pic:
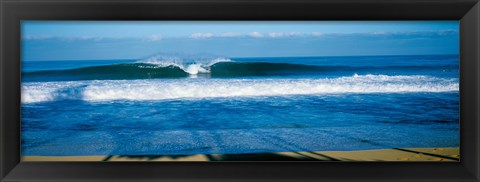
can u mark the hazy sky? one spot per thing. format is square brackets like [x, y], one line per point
[83, 40]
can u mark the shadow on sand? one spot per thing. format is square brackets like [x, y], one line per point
[286, 156]
[293, 156]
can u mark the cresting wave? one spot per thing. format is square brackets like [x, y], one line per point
[190, 66]
[218, 68]
[221, 68]
[111, 90]
[154, 67]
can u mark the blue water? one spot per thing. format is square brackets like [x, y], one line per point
[164, 106]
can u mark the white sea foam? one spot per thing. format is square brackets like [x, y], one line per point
[107, 90]
[190, 66]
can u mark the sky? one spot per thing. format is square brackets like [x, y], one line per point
[107, 40]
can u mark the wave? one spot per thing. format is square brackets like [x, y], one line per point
[109, 90]
[191, 66]
[149, 70]
[220, 69]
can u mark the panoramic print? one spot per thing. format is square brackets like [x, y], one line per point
[240, 91]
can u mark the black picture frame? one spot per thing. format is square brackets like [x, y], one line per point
[12, 12]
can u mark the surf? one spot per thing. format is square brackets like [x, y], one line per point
[163, 89]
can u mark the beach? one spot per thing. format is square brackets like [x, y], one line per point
[449, 154]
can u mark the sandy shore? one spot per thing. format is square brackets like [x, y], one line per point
[396, 154]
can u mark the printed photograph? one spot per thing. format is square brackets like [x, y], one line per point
[159, 91]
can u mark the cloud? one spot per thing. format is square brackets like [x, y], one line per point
[447, 32]
[272, 35]
[71, 38]
[251, 34]
[320, 34]
[379, 33]
[153, 38]
[82, 38]
[415, 33]
[317, 34]
[37, 37]
[88, 38]
[255, 34]
[201, 35]
[284, 34]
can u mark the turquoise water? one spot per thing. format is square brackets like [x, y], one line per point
[165, 105]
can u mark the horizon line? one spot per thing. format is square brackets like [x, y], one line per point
[233, 57]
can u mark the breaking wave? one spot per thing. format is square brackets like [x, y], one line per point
[160, 89]
[150, 70]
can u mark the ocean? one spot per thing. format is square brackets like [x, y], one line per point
[172, 106]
